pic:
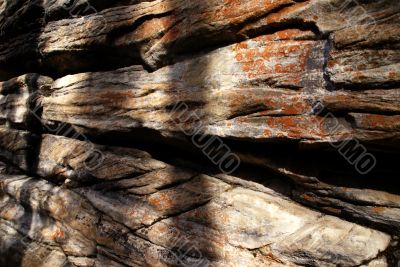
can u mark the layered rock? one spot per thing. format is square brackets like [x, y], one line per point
[199, 133]
[252, 90]
[204, 218]
[156, 32]
[19, 100]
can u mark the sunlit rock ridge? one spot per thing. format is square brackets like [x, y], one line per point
[199, 133]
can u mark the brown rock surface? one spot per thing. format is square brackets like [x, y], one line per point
[199, 133]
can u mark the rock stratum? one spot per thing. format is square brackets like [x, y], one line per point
[199, 133]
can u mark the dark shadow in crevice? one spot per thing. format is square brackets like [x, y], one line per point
[30, 152]
[20, 23]
[322, 162]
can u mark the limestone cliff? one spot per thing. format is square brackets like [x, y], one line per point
[199, 133]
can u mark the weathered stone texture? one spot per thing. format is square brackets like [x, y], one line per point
[223, 219]
[19, 99]
[106, 108]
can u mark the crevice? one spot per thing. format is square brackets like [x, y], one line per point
[115, 257]
[177, 183]
[290, 24]
[177, 214]
[118, 32]
[367, 86]
[345, 215]
[329, 85]
[347, 200]
[250, 111]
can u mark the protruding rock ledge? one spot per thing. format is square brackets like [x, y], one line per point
[124, 176]
[160, 32]
[274, 231]
[221, 94]
[299, 91]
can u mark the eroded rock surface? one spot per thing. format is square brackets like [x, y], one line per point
[199, 133]
[214, 218]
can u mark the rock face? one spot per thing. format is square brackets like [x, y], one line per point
[199, 133]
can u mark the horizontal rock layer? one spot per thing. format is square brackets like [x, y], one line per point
[199, 133]
[157, 32]
[215, 214]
